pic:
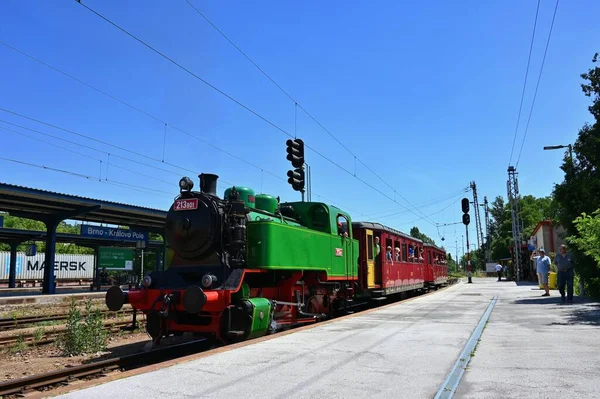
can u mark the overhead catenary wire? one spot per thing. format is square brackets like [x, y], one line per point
[525, 82]
[258, 115]
[86, 156]
[298, 105]
[152, 116]
[87, 177]
[135, 108]
[107, 153]
[110, 154]
[424, 204]
[390, 215]
[538, 82]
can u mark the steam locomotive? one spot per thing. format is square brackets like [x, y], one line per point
[246, 265]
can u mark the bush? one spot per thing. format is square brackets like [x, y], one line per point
[84, 334]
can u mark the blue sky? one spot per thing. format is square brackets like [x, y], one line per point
[425, 94]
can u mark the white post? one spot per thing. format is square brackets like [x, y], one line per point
[142, 276]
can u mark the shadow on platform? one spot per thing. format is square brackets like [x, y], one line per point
[526, 283]
[582, 312]
[587, 315]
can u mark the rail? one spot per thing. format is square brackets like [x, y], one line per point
[48, 337]
[23, 385]
[21, 322]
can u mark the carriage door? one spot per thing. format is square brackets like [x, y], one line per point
[370, 259]
[346, 249]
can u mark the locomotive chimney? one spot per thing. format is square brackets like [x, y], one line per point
[208, 183]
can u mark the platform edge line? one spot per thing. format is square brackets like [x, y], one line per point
[460, 366]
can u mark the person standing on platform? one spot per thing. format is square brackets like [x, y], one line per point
[542, 269]
[499, 271]
[564, 263]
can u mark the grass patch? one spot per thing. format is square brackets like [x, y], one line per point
[19, 346]
[84, 334]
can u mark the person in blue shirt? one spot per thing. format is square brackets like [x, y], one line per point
[564, 263]
[542, 268]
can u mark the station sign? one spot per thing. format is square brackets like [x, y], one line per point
[111, 233]
[113, 258]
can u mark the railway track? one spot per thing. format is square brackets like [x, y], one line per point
[98, 369]
[22, 322]
[50, 336]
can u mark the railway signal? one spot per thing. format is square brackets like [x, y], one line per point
[295, 150]
[466, 219]
[465, 206]
[296, 179]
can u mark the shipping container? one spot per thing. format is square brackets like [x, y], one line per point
[66, 267]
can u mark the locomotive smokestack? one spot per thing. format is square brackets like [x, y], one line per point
[208, 183]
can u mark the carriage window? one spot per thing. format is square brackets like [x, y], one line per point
[404, 253]
[369, 247]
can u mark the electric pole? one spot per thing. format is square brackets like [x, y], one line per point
[488, 237]
[478, 227]
[513, 197]
[457, 259]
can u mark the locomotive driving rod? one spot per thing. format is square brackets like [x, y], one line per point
[300, 306]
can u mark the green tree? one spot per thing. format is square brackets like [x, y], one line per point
[13, 222]
[579, 193]
[414, 232]
[532, 211]
[588, 235]
[451, 263]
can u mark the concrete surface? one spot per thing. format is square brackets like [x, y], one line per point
[535, 347]
[401, 351]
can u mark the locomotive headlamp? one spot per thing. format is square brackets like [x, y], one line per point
[207, 280]
[186, 184]
[147, 281]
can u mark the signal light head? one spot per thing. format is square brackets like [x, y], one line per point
[295, 150]
[465, 205]
[466, 219]
[296, 179]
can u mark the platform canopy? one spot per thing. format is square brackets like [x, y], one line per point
[52, 208]
[40, 204]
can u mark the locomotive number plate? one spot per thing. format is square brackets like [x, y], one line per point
[186, 204]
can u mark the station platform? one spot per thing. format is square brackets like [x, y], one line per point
[530, 346]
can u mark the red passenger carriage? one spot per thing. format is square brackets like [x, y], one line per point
[399, 266]
[436, 268]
